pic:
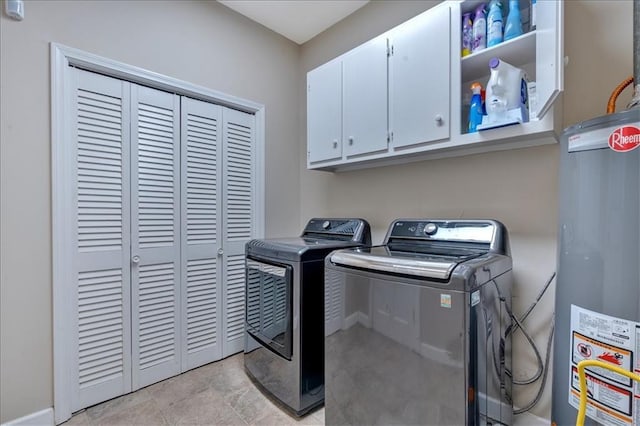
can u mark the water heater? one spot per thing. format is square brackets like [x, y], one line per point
[598, 284]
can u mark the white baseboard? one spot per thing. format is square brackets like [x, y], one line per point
[355, 318]
[438, 355]
[39, 418]
[528, 419]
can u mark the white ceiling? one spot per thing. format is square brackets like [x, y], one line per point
[297, 20]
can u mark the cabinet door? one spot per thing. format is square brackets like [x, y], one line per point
[420, 78]
[549, 54]
[324, 112]
[365, 98]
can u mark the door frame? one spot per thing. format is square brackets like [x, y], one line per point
[62, 59]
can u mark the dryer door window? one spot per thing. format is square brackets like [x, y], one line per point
[268, 315]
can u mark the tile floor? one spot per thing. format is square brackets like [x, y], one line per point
[215, 394]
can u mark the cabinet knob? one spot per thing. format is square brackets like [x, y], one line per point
[220, 251]
[439, 120]
[335, 144]
[350, 140]
[135, 259]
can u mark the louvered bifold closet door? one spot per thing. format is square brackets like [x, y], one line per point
[101, 334]
[201, 173]
[239, 210]
[155, 235]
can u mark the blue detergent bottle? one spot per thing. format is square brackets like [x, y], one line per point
[475, 112]
[494, 23]
[513, 28]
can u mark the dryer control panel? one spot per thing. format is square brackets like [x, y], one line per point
[353, 229]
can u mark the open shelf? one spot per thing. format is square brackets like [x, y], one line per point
[517, 51]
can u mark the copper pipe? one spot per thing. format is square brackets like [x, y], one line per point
[611, 105]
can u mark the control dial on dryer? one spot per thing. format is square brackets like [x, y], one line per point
[326, 224]
[430, 228]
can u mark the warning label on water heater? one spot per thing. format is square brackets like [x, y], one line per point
[612, 398]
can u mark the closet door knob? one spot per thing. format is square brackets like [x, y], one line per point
[135, 259]
[220, 251]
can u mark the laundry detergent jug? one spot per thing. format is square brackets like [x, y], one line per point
[506, 98]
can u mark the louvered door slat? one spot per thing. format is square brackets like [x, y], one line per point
[94, 301]
[201, 174]
[100, 111]
[235, 298]
[239, 180]
[238, 217]
[155, 235]
[157, 174]
[93, 160]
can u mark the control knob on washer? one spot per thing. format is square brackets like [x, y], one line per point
[430, 228]
[326, 224]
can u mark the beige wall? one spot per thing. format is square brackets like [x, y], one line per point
[206, 44]
[200, 42]
[516, 187]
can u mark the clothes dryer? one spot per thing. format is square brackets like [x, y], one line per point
[284, 338]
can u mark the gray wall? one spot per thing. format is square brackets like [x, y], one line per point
[517, 187]
[200, 42]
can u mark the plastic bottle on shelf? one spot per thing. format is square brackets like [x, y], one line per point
[494, 23]
[475, 111]
[467, 34]
[479, 29]
[514, 22]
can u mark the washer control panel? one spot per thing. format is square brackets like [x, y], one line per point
[443, 230]
[430, 228]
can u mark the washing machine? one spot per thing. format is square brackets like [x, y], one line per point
[417, 330]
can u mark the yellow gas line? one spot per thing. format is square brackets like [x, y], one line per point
[583, 383]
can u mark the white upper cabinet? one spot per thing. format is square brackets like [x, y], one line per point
[412, 103]
[538, 51]
[549, 54]
[364, 85]
[419, 73]
[324, 112]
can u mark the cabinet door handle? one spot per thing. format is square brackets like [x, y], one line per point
[220, 251]
[439, 120]
[350, 140]
[135, 259]
[335, 144]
